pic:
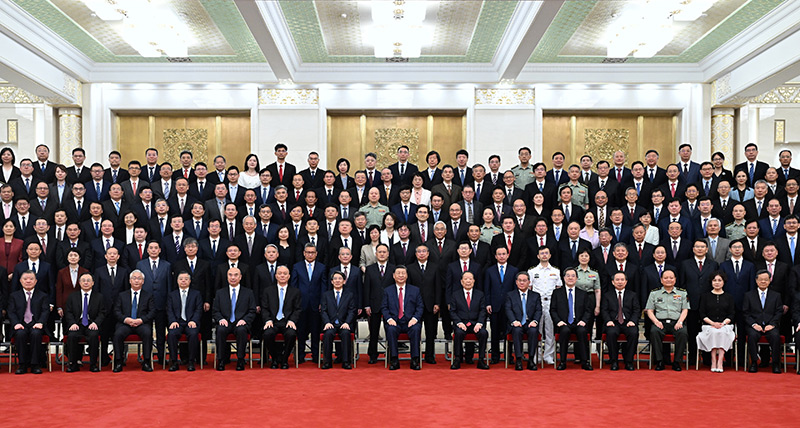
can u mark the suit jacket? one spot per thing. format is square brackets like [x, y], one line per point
[563, 176]
[123, 305]
[207, 192]
[455, 194]
[752, 209]
[40, 308]
[474, 313]
[723, 251]
[245, 306]
[270, 302]
[695, 281]
[127, 190]
[45, 278]
[20, 191]
[631, 273]
[626, 214]
[549, 191]
[784, 280]
[175, 206]
[178, 173]
[215, 258]
[319, 242]
[739, 285]
[627, 175]
[221, 274]
[355, 281]
[583, 306]
[452, 278]
[157, 283]
[612, 188]
[344, 312]
[647, 253]
[631, 309]
[263, 280]
[122, 175]
[748, 254]
[312, 183]
[564, 256]
[726, 215]
[73, 309]
[497, 289]
[256, 257]
[311, 289]
[91, 191]
[14, 256]
[99, 250]
[412, 304]
[110, 289]
[765, 224]
[50, 207]
[408, 173]
[194, 306]
[513, 307]
[130, 255]
[373, 285]
[770, 314]
[428, 182]
[397, 209]
[680, 189]
[651, 281]
[518, 256]
[83, 247]
[289, 171]
[360, 201]
[28, 230]
[760, 170]
[158, 189]
[64, 285]
[396, 256]
[110, 211]
[461, 233]
[429, 283]
[201, 277]
[687, 231]
[73, 176]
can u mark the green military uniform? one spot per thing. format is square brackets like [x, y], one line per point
[588, 280]
[735, 231]
[488, 232]
[580, 193]
[523, 176]
[667, 308]
[374, 213]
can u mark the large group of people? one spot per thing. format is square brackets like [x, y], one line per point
[689, 254]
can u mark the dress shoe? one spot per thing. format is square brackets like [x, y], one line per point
[415, 363]
[587, 366]
[518, 365]
[372, 360]
[347, 366]
[510, 359]
[676, 366]
[284, 366]
[73, 368]
[36, 370]
[482, 364]
[753, 368]
[147, 367]
[561, 366]
[240, 365]
[394, 365]
[21, 370]
[173, 366]
[659, 366]
[777, 369]
[274, 364]
[94, 368]
[221, 366]
[532, 365]
[629, 367]
[326, 365]
[430, 360]
[455, 365]
[495, 360]
[614, 366]
[469, 360]
[190, 366]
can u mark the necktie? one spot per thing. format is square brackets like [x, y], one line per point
[791, 205]
[402, 169]
[313, 241]
[28, 185]
[28, 317]
[672, 189]
[330, 193]
[166, 189]
[455, 229]
[705, 222]
[422, 231]
[177, 244]
[605, 254]
[478, 191]
[620, 316]
[338, 295]
[33, 267]
[652, 175]
[586, 177]
[191, 265]
[753, 246]
[450, 189]
[631, 213]
[440, 247]
[345, 272]
[708, 188]
[97, 189]
[383, 270]
[296, 195]
[524, 308]
[135, 305]
[469, 300]
[786, 174]
[24, 223]
[640, 250]
[508, 243]
[422, 268]
[675, 249]
[183, 305]
[570, 302]
[404, 249]
[140, 251]
[147, 209]
[770, 270]
[541, 241]
[499, 209]
[233, 306]
[113, 176]
[370, 178]
[463, 178]
[621, 267]
[310, 271]
[502, 273]
[617, 233]
[161, 224]
[41, 202]
[558, 176]
[558, 233]
[151, 173]
[108, 244]
[602, 184]
[96, 228]
[220, 174]
[541, 187]
[296, 231]
[186, 173]
[280, 304]
[85, 315]
[113, 274]
[638, 188]
[405, 211]
[59, 235]
[400, 303]
[363, 236]
[661, 270]
[344, 212]
[345, 243]
[465, 266]
[774, 226]
[686, 169]
[619, 175]
[752, 173]
[700, 265]
[230, 231]
[197, 228]
[601, 214]
[713, 248]
[736, 268]
[759, 208]
[202, 184]
[280, 172]
[475, 248]
[330, 230]
[44, 246]
[791, 246]
[155, 267]
[574, 250]
[272, 271]
[763, 299]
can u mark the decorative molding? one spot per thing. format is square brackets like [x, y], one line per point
[14, 95]
[504, 97]
[70, 136]
[722, 133]
[601, 143]
[781, 95]
[720, 88]
[176, 140]
[388, 140]
[12, 131]
[780, 131]
[73, 88]
[292, 97]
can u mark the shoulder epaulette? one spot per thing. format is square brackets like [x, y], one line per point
[515, 166]
[680, 289]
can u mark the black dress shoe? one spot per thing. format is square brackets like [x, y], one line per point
[21, 370]
[173, 366]
[469, 360]
[561, 366]
[511, 359]
[147, 367]
[532, 365]
[659, 366]
[36, 370]
[73, 368]
[676, 366]
[221, 366]
[274, 364]
[629, 367]
[372, 360]
[495, 360]
[614, 366]
[518, 365]
[117, 368]
[482, 365]
[326, 366]
[415, 364]
[347, 366]
[395, 364]
[753, 368]
[587, 366]
[94, 368]
[190, 366]
[284, 366]
[240, 365]
[455, 365]
[430, 360]
[777, 369]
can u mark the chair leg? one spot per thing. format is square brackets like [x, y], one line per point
[297, 353]
[251, 352]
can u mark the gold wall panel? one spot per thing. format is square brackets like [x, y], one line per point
[345, 141]
[204, 136]
[601, 135]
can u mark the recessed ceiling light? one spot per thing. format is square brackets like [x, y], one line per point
[344, 15]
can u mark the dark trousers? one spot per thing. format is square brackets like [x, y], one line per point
[160, 322]
[498, 322]
[145, 333]
[773, 338]
[92, 338]
[581, 332]
[632, 336]
[106, 335]
[327, 343]
[693, 326]
[310, 321]
[657, 340]
[192, 336]
[29, 345]
[375, 333]
[431, 322]
[458, 342]
[414, 334]
[447, 321]
[280, 351]
[205, 331]
[223, 350]
[517, 334]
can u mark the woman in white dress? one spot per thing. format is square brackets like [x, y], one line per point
[419, 196]
[249, 178]
[717, 312]
[389, 233]
[651, 235]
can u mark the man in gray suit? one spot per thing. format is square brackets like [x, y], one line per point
[717, 245]
[157, 283]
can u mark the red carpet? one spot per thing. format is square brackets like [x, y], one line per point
[311, 397]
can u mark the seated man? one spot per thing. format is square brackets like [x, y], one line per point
[468, 312]
[134, 310]
[84, 311]
[280, 309]
[524, 311]
[28, 310]
[184, 310]
[338, 315]
[234, 311]
[571, 311]
[621, 310]
[762, 310]
[402, 310]
[667, 307]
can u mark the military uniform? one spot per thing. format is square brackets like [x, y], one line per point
[588, 280]
[488, 232]
[543, 281]
[375, 214]
[523, 176]
[735, 231]
[667, 308]
[580, 193]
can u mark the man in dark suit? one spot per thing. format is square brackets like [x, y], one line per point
[754, 168]
[114, 174]
[28, 311]
[158, 283]
[185, 169]
[312, 176]
[184, 313]
[463, 263]
[78, 173]
[604, 183]
[134, 310]
[84, 312]
[571, 310]
[44, 205]
[23, 219]
[497, 283]
[428, 279]
[281, 307]
[338, 311]
[518, 249]
[523, 310]
[695, 277]
[762, 310]
[621, 311]
[97, 183]
[44, 169]
[753, 243]
[234, 311]
[401, 308]
[654, 173]
[402, 170]
[282, 172]
[621, 263]
[131, 186]
[569, 248]
[310, 277]
[111, 279]
[468, 313]
[678, 248]
[741, 276]
[201, 277]
[25, 186]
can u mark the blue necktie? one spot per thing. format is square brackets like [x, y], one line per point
[28, 185]
[337, 306]
[161, 222]
[280, 305]
[97, 228]
[524, 308]
[763, 299]
[502, 273]
[166, 189]
[97, 188]
[570, 302]
[774, 226]
[791, 246]
[310, 271]
[85, 315]
[233, 306]
[617, 228]
[135, 305]
[705, 222]
[566, 212]
[638, 188]
[405, 212]
[708, 188]
[786, 174]
[574, 250]
[752, 173]
[197, 229]
[462, 177]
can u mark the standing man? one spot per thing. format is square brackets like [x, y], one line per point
[402, 171]
[282, 172]
[545, 278]
[309, 276]
[498, 282]
[157, 283]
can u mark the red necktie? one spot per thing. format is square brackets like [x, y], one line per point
[140, 251]
[469, 300]
[400, 302]
[700, 266]
[422, 233]
[541, 241]
[619, 174]
[440, 247]
[621, 269]
[186, 173]
[673, 189]
[280, 172]
[296, 195]
[44, 247]
[134, 187]
[509, 244]
[640, 251]
[465, 266]
[631, 213]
